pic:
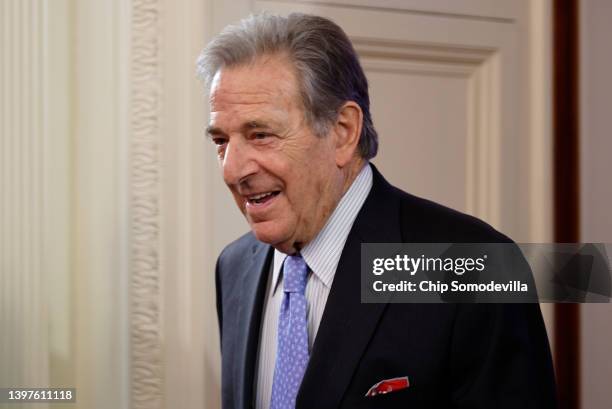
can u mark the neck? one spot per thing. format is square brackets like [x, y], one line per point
[350, 174]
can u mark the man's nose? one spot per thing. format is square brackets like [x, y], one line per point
[238, 162]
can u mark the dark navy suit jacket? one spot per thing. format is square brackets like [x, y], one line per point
[455, 355]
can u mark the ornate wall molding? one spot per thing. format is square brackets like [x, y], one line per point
[24, 321]
[145, 103]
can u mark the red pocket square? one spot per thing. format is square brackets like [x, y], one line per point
[388, 385]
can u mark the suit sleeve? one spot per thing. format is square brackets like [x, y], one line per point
[500, 358]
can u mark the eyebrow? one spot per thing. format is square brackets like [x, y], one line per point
[250, 125]
[213, 131]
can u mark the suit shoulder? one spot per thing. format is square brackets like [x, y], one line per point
[433, 222]
[237, 249]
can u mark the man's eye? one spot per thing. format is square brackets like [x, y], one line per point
[260, 135]
[219, 141]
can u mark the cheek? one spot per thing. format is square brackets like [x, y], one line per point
[306, 195]
[304, 170]
[239, 201]
[302, 188]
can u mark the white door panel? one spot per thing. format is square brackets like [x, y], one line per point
[427, 136]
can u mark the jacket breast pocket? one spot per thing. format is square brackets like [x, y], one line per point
[397, 399]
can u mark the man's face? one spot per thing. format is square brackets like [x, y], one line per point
[283, 177]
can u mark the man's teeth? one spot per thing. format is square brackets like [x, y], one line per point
[261, 196]
[258, 198]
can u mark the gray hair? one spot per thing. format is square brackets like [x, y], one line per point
[328, 69]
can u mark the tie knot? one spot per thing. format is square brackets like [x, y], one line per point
[295, 272]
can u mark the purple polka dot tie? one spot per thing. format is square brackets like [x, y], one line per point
[292, 350]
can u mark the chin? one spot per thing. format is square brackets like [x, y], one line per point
[266, 233]
[270, 234]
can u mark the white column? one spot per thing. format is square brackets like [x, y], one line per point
[24, 315]
[191, 340]
[100, 200]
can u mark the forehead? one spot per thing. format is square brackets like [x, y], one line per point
[269, 78]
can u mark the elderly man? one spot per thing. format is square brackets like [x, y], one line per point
[290, 119]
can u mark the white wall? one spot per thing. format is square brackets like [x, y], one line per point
[596, 189]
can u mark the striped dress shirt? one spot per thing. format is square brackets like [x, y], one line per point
[322, 255]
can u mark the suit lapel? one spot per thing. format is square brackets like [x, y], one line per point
[347, 324]
[252, 296]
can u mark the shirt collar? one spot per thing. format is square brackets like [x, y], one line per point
[323, 253]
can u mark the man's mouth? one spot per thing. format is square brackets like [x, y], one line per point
[261, 198]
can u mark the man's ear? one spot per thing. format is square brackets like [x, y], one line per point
[348, 130]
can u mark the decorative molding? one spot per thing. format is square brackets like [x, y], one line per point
[483, 150]
[24, 320]
[479, 12]
[412, 51]
[146, 340]
[479, 66]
